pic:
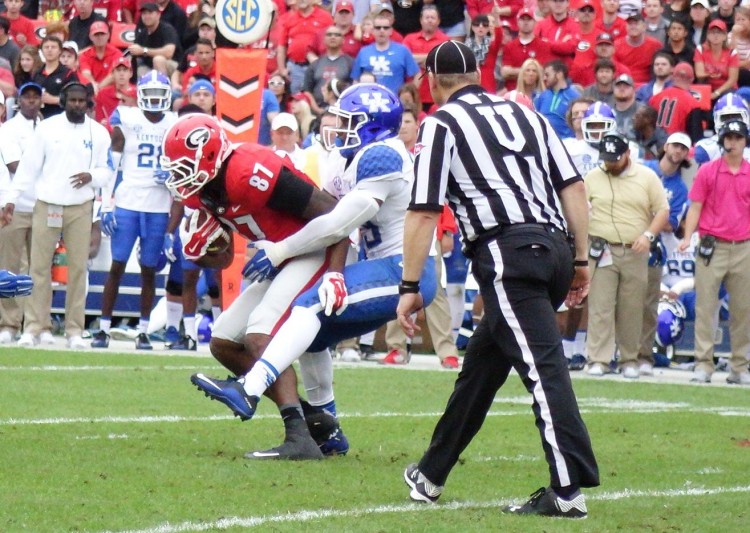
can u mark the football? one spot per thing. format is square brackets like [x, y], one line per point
[222, 243]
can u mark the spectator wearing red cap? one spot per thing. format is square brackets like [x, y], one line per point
[585, 75]
[116, 93]
[678, 109]
[715, 63]
[298, 29]
[343, 19]
[96, 62]
[585, 54]
[636, 49]
[421, 42]
[656, 24]
[526, 46]
[611, 22]
[678, 44]
[21, 28]
[79, 26]
[560, 30]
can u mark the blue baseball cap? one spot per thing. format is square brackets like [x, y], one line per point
[30, 85]
[202, 85]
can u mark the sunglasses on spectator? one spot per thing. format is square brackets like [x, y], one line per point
[273, 83]
[586, 9]
[333, 34]
[382, 27]
[483, 24]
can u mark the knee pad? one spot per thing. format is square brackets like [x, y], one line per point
[174, 288]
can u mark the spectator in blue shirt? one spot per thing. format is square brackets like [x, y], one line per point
[554, 101]
[269, 108]
[391, 63]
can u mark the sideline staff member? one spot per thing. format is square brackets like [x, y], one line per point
[515, 192]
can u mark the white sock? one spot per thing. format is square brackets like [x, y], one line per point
[580, 341]
[174, 314]
[568, 348]
[215, 311]
[367, 338]
[143, 325]
[105, 324]
[289, 343]
[189, 321]
[316, 370]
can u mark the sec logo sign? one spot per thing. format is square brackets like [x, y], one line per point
[243, 21]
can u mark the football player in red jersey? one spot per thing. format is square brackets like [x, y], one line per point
[261, 196]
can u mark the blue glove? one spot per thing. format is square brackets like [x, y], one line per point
[108, 223]
[259, 268]
[12, 285]
[168, 247]
[160, 176]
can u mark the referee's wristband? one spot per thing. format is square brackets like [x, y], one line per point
[581, 263]
[408, 287]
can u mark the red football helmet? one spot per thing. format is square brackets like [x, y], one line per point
[193, 150]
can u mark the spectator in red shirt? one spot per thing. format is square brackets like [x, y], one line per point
[21, 28]
[205, 57]
[96, 61]
[611, 22]
[583, 60]
[526, 46]
[715, 63]
[116, 93]
[343, 20]
[420, 43]
[678, 109]
[604, 49]
[297, 33]
[505, 12]
[560, 30]
[486, 42]
[636, 49]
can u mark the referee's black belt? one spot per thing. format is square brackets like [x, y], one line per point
[497, 231]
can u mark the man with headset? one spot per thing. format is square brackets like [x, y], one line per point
[719, 212]
[628, 209]
[69, 161]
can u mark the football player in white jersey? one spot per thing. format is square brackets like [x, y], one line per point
[378, 179]
[728, 107]
[137, 205]
[584, 147]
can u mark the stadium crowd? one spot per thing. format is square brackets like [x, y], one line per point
[652, 91]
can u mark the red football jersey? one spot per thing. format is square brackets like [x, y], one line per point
[251, 176]
[673, 105]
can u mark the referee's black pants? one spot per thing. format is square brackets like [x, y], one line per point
[523, 275]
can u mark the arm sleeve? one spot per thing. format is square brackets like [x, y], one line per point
[352, 211]
[291, 193]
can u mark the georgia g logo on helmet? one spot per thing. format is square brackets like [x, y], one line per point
[197, 138]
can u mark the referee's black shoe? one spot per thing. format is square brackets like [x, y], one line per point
[545, 502]
[422, 489]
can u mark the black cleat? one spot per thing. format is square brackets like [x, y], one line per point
[186, 342]
[545, 502]
[296, 447]
[142, 342]
[100, 340]
[327, 434]
[422, 489]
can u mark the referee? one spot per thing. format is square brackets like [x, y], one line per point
[516, 195]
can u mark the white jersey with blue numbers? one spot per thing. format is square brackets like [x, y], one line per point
[679, 265]
[136, 189]
[385, 161]
[585, 157]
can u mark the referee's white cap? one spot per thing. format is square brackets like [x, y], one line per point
[451, 57]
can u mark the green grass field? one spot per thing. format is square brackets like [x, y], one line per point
[114, 442]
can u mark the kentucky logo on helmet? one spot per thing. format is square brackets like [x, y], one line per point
[375, 102]
[197, 138]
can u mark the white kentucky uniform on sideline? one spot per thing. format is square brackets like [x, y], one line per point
[585, 157]
[140, 160]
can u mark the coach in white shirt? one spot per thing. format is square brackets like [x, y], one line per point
[68, 162]
[15, 238]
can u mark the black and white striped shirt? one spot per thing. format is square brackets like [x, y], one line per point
[496, 163]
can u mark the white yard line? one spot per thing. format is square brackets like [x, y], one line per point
[89, 368]
[302, 517]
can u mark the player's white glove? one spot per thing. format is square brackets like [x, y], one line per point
[332, 293]
[199, 236]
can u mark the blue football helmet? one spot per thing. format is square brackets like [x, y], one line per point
[154, 92]
[670, 322]
[730, 107]
[366, 113]
[657, 256]
[598, 120]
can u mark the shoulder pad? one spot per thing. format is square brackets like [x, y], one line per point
[379, 160]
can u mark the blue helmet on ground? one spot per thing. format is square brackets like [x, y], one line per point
[730, 107]
[367, 113]
[598, 120]
[154, 92]
[670, 322]
[658, 254]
